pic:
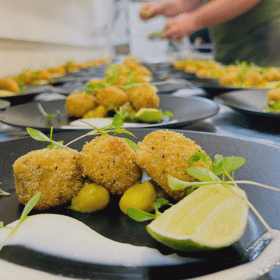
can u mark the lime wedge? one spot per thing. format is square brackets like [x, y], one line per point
[149, 115]
[210, 218]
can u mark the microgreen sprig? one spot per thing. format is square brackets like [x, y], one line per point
[224, 166]
[45, 114]
[28, 207]
[141, 216]
[3, 192]
[115, 127]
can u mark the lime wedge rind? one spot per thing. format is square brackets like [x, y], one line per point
[222, 227]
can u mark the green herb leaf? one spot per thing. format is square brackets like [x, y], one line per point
[55, 145]
[128, 86]
[121, 130]
[139, 215]
[176, 184]
[1, 225]
[233, 163]
[37, 135]
[217, 165]
[28, 207]
[117, 121]
[202, 174]
[132, 145]
[58, 113]
[199, 156]
[161, 202]
[168, 114]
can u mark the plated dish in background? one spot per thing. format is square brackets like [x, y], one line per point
[230, 77]
[185, 111]
[115, 225]
[251, 102]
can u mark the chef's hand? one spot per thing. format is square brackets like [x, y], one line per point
[149, 10]
[179, 27]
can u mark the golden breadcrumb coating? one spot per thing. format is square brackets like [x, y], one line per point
[9, 84]
[272, 74]
[252, 78]
[79, 103]
[143, 96]
[44, 74]
[273, 95]
[111, 95]
[110, 162]
[166, 152]
[142, 70]
[55, 173]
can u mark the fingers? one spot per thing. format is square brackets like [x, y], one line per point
[149, 10]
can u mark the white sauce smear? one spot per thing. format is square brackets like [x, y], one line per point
[65, 237]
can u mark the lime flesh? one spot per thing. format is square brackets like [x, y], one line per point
[149, 115]
[210, 218]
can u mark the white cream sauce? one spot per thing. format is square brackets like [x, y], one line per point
[66, 237]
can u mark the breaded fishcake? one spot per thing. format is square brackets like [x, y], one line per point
[79, 103]
[166, 152]
[252, 78]
[229, 79]
[110, 162]
[143, 96]
[111, 95]
[274, 96]
[142, 70]
[9, 84]
[57, 71]
[272, 74]
[55, 173]
[44, 74]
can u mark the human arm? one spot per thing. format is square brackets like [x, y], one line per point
[213, 13]
[168, 9]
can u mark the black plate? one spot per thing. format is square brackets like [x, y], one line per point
[4, 104]
[28, 94]
[249, 102]
[261, 166]
[185, 111]
[212, 86]
[171, 85]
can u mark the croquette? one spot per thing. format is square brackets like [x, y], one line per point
[110, 162]
[9, 84]
[44, 75]
[55, 173]
[272, 74]
[229, 79]
[143, 96]
[142, 70]
[111, 96]
[166, 152]
[252, 78]
[273, 96]
[78, 104]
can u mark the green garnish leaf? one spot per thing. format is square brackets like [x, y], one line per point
[121, 130]
[58, 113]
[218, 164]
[28, 207]
[1, 224]
[37, 135]
[176, 184]
[128, 86]
[117, 121]
[139, 215]
[203, 174]
[92, 87]
[233, 163]
[55, 145]
[168, 114]
[132, 145]
[161, 202]
[199, 156]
